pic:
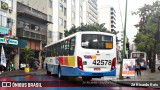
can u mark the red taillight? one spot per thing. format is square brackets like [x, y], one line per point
[113, 64]
[145, 61]
[79, 63]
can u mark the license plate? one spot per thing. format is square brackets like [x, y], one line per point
[142, 64]
[97, 69]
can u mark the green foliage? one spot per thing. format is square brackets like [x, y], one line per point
[88, 27]
[147, 26]
[28, 53]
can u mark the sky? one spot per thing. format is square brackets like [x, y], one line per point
[133, 5]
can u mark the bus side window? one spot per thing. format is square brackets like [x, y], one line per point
[58, 48]
[72, 46]
[62, 48]
[52, 48]
[55, 50]
[66, 47]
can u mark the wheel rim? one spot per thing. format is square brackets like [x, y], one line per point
[59, 73]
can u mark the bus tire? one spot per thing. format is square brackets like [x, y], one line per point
[59, 73]
[48, 72]
[159, 68]
[86, 78]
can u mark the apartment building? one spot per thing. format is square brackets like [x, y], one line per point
[59, 18]
[107, 15]
[72, 12]
[34, 26]
[46, 7]
[8, 38]
[90, 11]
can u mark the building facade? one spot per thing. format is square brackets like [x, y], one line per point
[90, 11]
[46, 7]
[107, 15]
[34, 25]
[59, 18]
[8, 30]
[68, 13]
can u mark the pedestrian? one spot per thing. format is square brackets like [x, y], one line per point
[138, 68]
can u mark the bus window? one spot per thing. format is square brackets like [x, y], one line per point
[58, 48]
[72, 46]
[95, 41]
[55, 50]
[66, 47]
[62, 48]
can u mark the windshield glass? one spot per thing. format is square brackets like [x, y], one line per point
[137, 55]
[96, 41]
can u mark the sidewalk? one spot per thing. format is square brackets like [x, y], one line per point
[22, 73]
[147, 79]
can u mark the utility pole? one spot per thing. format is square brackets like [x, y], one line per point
[124, 41]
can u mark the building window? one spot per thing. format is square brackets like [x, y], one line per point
[26, 25]
[20, 24]
[73, 2]
[61, 21]
[9, 22]
[65, 23]
[60, 35]
[34, 27]
[49, 34]
[3, 18]
[80, 8]
[60, 7]
[50, 3]
[65, 12]
[10, 3]
[65, 1]
[50, 18]
[73, 14]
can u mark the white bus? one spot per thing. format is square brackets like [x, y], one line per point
[87, 54]
[136, 55]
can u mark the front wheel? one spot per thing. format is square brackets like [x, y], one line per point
[86, 78]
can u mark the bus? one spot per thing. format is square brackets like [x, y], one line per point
[136, 55]
[87, 54]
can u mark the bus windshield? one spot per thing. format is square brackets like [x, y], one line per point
[137, 55]
[96, 41]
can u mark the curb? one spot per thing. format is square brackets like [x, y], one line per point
[134, 86]
[23, 74]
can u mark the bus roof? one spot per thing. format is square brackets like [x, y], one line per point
[81, 32]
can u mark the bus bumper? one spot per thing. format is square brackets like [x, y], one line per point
[68, 71]
[144, 67]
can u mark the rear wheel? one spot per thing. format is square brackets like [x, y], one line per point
[159, 68]
[59, 73]
[86, 78]
[48, 72]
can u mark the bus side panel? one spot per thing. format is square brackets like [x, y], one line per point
[67, 61]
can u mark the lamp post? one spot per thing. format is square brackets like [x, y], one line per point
[124, 41]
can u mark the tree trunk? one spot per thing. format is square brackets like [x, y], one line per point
[153, 60]
[149, 59]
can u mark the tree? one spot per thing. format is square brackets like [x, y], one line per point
[146, 39]
[28, 54]
[89, 27]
